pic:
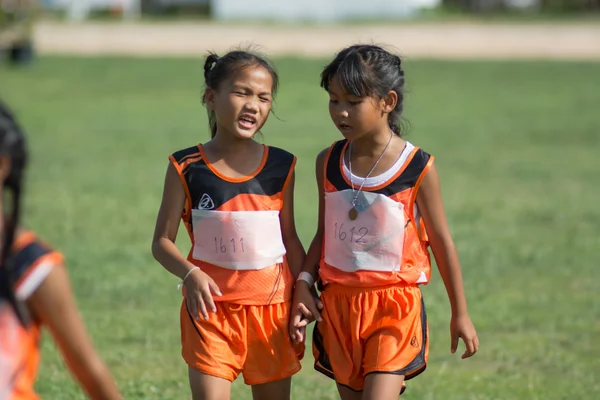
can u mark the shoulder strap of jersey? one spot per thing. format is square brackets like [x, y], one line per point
[288, 160]
[332, 158]
[181, 160]
[421, 163]
[32, 262]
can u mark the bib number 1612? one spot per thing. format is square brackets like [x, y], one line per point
[353, 235]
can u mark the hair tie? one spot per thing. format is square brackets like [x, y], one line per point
[211, 61]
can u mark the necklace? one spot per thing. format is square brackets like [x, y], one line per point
[353, 213]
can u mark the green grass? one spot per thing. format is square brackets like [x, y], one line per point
[517, 148]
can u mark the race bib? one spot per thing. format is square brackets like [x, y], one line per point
[373, 241]
[238, 240]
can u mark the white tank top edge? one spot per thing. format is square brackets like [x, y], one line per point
[373, 181]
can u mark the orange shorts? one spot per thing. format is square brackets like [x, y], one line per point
[367, 330]
[252, 340]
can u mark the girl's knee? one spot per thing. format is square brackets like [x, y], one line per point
[278, 390]
[349, 394]
[382, 386]
[207, 387]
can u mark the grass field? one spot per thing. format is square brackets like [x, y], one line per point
[517, 148]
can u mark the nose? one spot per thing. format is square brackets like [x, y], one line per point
[338, 110]
[252, 105]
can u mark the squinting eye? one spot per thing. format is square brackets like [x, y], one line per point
[354, 103]
[333, 101]
[265, 100]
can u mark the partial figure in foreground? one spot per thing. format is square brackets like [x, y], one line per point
[35, 292]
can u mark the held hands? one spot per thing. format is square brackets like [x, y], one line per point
[199, 290]
[462, 327]
[305, 309]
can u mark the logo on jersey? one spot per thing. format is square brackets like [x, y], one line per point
[414, 342]
[206, 203]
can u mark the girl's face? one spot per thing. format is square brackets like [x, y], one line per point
[242, 103]
[355, 116]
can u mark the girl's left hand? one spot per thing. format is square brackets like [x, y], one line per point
[305, 309]
[462, 327]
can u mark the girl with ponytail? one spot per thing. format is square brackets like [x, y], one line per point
[235, 197]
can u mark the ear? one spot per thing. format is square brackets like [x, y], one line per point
[389, 102]
[209, 95]
[5, 167]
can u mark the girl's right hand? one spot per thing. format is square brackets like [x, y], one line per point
[305, 309]
[199, 290]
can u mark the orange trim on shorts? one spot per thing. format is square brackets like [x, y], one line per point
[384, 184]
[187, 211]
[236, 180]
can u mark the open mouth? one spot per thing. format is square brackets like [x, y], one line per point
[247, 121]
[344, 127]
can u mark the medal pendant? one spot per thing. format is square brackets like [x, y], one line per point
[353, 214]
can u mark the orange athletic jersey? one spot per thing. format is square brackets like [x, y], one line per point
[263, 190]
[402, 187]
[19, 345]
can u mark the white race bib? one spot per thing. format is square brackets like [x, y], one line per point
[371, 242]
[238, 240]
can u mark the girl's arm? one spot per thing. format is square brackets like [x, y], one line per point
[293, 245]
[54, 305]
[313, 257]
[305, 306]
[429, 202]
[198, 285]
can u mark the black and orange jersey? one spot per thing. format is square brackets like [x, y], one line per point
[19, 345]
[402, 188]
[207, 189]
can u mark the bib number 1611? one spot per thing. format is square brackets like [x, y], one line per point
[222, 245]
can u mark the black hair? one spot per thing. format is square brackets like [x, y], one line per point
[368, 70]
[12, 144]
[217, 69]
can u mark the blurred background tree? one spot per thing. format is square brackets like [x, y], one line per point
[550, 6]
